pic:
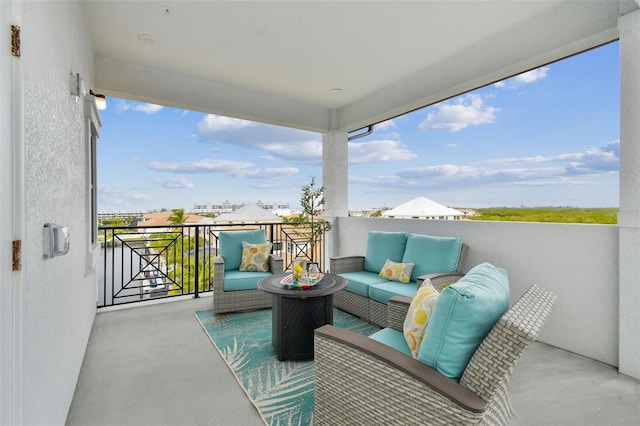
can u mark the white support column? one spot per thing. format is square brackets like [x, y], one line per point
[629, 215]
[335, 175]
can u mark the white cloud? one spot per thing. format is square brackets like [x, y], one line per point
[292, 145]
[202, 166]
[267, 173]
[524, 78]
[309, 151]
[117, 195]
[385, 125]
[122, 106]
[175, 183]
[595, 160]
[215, 123]
[451, 175]
[562, 169]
[137, 197]
[379, 151]
[533, 75]
[237, 169]
[465, 111]
[148, 108]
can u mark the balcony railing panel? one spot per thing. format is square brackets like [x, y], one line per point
[156, 262]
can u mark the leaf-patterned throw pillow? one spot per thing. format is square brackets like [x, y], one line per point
[395, 271]
[415, 323]
[255, 257]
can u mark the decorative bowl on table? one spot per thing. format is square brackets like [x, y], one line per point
[289, 282]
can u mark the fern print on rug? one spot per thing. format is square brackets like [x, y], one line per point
[282, 391]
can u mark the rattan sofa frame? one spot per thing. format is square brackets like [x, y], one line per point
[361, 381]
[241, 300]
[368, 309]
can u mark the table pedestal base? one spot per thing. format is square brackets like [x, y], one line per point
[294, 321]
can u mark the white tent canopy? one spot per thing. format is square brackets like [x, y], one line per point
[423, 208]
[249, 213]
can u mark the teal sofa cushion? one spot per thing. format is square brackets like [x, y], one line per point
[231, 245]
[359, 282]
[393, 338]
[384, 291]
[242, 280]
[382, 246]
[431, 254]
[462, 317]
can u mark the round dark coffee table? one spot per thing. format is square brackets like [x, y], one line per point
[297, 313]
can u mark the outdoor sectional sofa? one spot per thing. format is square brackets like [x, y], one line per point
[367, 293]
[461, 379]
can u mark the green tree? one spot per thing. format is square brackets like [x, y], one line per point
[310, 221]
[177, 218]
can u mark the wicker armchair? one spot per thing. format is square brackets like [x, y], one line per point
[361, 381]
[372, 310]
[245, 299]
[241, 300]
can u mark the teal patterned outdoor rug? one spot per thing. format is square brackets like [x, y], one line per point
[282, 391]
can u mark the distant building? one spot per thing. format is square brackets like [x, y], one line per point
[227, 207]
[120, 214]
[162, 219]
[423, 208]
[251, 213]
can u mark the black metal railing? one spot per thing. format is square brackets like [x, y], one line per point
[154, 262]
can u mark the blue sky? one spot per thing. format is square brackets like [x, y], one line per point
[549, 137]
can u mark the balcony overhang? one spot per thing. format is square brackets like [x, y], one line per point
[277, 62]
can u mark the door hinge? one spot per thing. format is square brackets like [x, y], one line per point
[15, 40]
[17, 253]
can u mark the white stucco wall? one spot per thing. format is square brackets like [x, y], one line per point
[59, 298]
[629, 215]
[579, 263]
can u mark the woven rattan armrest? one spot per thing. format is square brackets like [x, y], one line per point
[340, 265]
[397, 311]
[438, 280]
[451, 390]
[276, 265]
[218, 268]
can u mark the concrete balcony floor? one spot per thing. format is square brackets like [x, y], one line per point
[154, 365]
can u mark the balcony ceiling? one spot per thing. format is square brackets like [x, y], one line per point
[279, 62]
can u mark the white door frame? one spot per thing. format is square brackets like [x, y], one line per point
[12, 224]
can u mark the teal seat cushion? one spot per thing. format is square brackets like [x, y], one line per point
[384, 291]
[393, 338]
[231, 245]
[242, 280]
[382, 246]
[462, 317]
[431, 254]
[359, 282]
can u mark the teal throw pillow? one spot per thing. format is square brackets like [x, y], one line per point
[462, 317]
[382, 246]
[432, 254]
[231, 245]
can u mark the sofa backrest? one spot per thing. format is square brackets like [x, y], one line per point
[382, 246]
[231, 245]
[431, 254]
